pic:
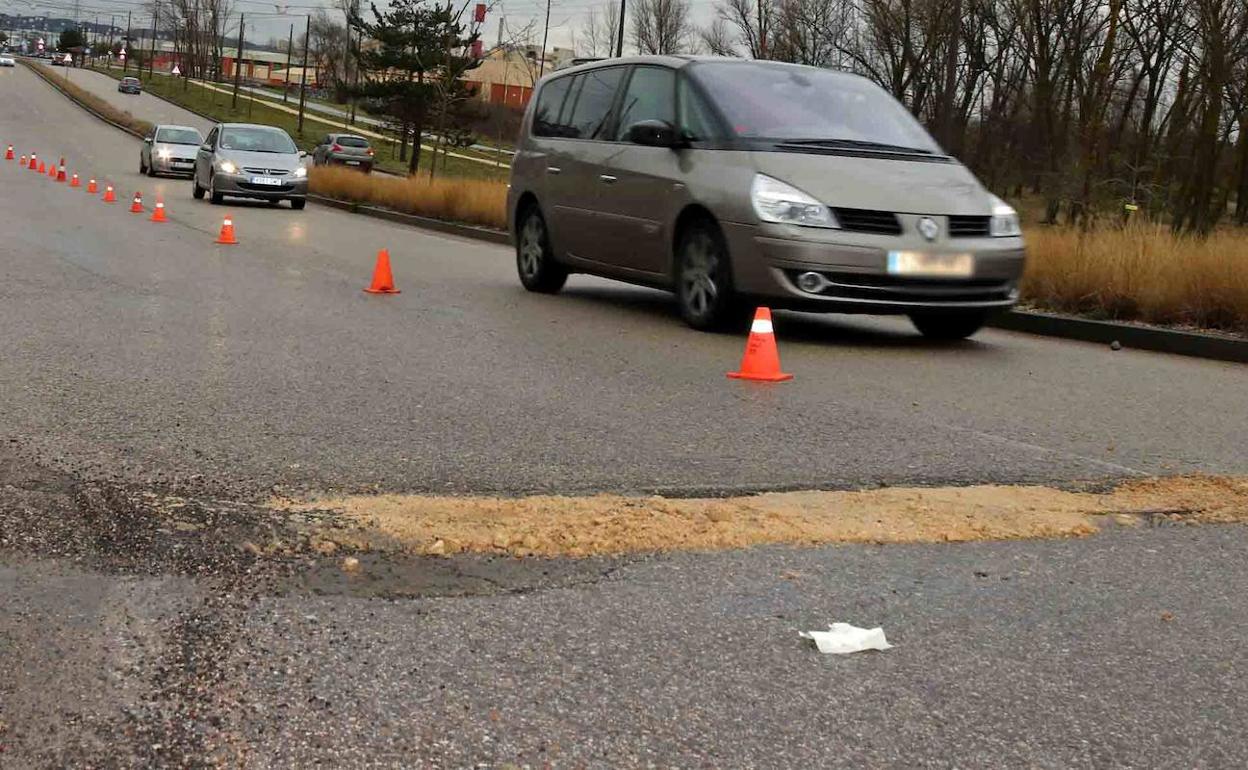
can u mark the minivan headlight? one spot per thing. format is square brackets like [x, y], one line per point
[775, 201]
[301, 172]
[228, 167]
[1004, 222]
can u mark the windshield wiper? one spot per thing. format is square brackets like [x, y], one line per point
[858, 143]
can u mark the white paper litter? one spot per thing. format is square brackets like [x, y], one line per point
[842, 638]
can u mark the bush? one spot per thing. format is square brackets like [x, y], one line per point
[1141, 273]
[471, 201]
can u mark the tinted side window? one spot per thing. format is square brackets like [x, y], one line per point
[549, 105]
[593, 104]
[651, 95]
[696, 118]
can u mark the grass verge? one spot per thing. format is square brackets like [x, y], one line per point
[470, 201]
[1141, 273]
[90, 102]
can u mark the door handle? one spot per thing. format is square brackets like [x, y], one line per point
[553, 170]
[607, 178]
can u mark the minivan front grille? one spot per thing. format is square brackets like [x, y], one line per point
[868, 221]
[968, 226]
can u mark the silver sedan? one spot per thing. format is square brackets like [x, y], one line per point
[169, 150]
[245, 160]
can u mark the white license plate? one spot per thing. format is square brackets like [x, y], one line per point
[353, 163]
[918, 263]
[270, 180]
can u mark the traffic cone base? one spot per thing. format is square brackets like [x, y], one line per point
[761, 362]
[109, 197]
[74, 181]
[158, 214]
[136, 207]
[91, 187]
[383, 281]
[8, 154]
[227, 232]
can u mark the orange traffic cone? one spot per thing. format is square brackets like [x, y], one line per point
[74, 182]
[8, 154]
[227, 232]
[60, 172]
[91, 187]
[137, 206]
[383, 281]
[761, 361]
[108, 195]
[158, 214]
[43, 167]
[52, 172]
[33, 165]
[22, 162]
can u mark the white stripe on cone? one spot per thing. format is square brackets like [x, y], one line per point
[761, 326]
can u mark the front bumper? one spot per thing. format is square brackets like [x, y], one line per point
[766, 262]
[173, 165]
[240, 186]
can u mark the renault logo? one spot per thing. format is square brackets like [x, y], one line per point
[928, 228]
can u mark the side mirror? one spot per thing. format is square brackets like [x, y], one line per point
[654, 133]
[147, 140]
[206, 147]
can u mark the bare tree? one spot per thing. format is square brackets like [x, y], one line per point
[601, 30]
[716, 39]
[662, 26]
[752, 21]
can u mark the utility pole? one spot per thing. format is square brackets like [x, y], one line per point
[125, 62]
[238, 59]
[290, 44]
[619, 44]
[359, 42]
[303, 78]
[541, 69]
[151, 51]
[96, 44]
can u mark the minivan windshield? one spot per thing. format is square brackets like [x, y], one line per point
[249, 139]
[790, 103]
[179, 136]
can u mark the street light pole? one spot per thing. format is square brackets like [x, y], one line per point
[619, 45]
[238, 59]
[541, 70]
[125, 62]
[151, 51]
[303, 77]
[290, 44]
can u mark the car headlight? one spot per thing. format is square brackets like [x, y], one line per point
[227, 167]
[163, 153]
[1004, 222]
[301, 172]
[775, 201]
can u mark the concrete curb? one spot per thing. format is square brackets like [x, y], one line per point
[414, 220]
[1154, 338]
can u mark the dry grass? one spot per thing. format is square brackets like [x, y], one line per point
[472, 201]
[92, 102]
[1141, 273]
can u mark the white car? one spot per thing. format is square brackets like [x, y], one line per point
[7, 61]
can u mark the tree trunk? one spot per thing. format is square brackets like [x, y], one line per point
[414, 164]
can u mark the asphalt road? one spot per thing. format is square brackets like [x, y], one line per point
[138, 358]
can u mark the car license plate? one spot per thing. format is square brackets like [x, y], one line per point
[353, 163]
[918, 263]
[269, 180]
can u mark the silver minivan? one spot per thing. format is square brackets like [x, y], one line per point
[246, 160]
[735, 182]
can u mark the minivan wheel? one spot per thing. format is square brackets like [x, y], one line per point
[956, 325]
[704, 279]
[298, 203]
[535, 260]
[216, 197]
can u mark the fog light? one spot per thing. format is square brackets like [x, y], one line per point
[811, 282]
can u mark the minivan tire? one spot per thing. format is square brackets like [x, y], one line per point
[704, 288]
[535, 259]
[214, 196]
[298, 203]
[949, 326]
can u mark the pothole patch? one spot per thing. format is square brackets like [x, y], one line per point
[554, 526]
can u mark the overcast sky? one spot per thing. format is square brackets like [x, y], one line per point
[265, 19]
